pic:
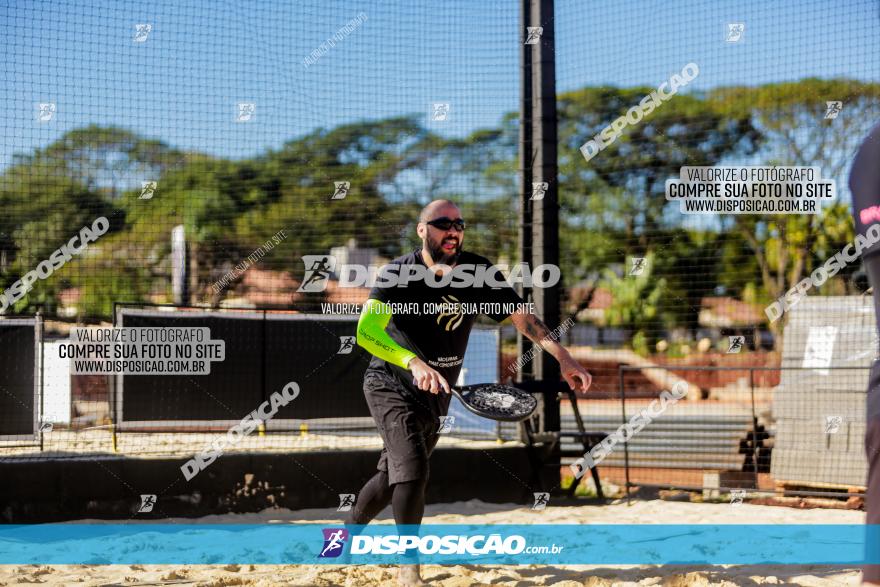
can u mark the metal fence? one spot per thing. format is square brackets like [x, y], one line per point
[740, 432]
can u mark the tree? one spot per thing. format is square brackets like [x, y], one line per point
[636, 303]
[793, 130]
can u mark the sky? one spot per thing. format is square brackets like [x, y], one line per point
[200, 60]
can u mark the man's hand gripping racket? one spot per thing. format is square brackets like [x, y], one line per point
[489, 400]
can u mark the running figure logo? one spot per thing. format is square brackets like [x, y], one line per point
[735, 343]
[446, 424]
[246, 111]
[638, 266]
[440, 111]
[341, 190]
[832, 109]
[735, 32]
[539, 188]
[318, 271]
[533, 34]
[346, 501]
[737, 496]
[833, 424]
[148, 190]
[147, 503]
[346, 345]
[541, 500]
[334, 541]
[141, 32]
[46, 112]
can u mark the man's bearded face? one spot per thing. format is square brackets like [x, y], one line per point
[444, 245]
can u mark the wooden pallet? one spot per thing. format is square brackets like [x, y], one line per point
[845, 490]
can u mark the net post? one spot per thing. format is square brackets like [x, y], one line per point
[545, 210]
[523, 344]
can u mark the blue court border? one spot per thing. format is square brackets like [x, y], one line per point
[594, 544]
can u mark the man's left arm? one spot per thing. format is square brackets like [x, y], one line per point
[578, 378]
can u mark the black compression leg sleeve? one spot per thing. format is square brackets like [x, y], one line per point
[372, 499]
[408, 502]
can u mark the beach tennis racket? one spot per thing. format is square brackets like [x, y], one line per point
[497, 402]
[489, 400]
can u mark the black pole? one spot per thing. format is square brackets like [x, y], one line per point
[545, 211]
[523, 344]
[620, 372]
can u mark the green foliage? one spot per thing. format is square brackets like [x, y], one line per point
[636, 302]
[612, 208]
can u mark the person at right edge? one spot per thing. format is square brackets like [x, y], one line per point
[864, 183]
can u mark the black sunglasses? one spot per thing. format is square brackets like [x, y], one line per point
[445, 223]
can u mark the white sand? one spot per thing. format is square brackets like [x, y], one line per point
[644, 512]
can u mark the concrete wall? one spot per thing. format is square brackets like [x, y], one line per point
[69, 489]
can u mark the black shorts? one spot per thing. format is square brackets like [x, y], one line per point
[408, 426]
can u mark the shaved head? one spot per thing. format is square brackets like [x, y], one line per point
[438, 245]
[436, 209]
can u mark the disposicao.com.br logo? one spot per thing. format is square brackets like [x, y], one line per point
[321, 268]
[431, 544]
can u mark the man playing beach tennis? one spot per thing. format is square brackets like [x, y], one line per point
[417, 355]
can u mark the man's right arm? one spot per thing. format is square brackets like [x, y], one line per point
[371, 335]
